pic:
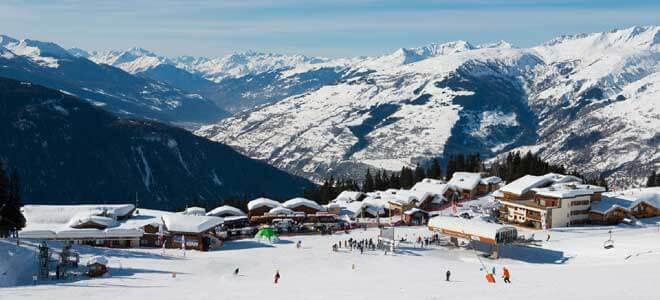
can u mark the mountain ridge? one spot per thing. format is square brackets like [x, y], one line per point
[69, 151]
[583, 94]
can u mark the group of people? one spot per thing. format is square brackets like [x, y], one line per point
[354, 244]
[426, 241]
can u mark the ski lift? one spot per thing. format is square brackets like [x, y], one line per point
[609, 244]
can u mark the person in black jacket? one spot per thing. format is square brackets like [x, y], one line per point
[448, 274]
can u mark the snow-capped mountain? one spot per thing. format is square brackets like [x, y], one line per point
[587, 101]
[50, 65]
[234, 82]
[133, 60]
[241, 64]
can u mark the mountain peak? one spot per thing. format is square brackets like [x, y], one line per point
[77, 52]
[638, 36]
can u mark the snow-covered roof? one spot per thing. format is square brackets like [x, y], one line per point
[378, 202]
[568, 190]
[62, 214]
[432, 181]
[49, 228]
[349, 196]
[281, 211]
[524, 184]
[225, 210]
[437, 188]
[83, 219]
[261, 202]
[97, 259]
[190, 224]
[491, 180]
[627, 199]
[297, 202]
[413, 211]
[465, 180]
[374, 210]
[194, 211]
[473, 227]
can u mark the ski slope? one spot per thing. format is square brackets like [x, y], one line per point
[572, 265]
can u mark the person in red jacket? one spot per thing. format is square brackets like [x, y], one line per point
[506, 275]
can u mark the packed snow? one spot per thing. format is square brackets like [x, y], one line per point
[571, 265]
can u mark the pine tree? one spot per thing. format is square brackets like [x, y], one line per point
[651, 181]
[419, 174]
[368, 185]
[14, 201]
[11, 217]
[451, 167]
[435, 171]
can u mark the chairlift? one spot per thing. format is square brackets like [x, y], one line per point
[609, 244]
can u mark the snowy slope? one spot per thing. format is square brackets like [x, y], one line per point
[572, 265]
[586, 101]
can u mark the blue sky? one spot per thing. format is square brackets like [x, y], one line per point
[316, 27]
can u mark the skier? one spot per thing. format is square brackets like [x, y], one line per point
[548, 237]
[298, 244]
[277, 276]
[493, 270]
[236, 272]
[448, 274]
[506, 275]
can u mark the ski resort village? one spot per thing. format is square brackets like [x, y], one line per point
[329, 150]
[472, 237]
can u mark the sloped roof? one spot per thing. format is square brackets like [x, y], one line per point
[568, 190]
[627, 199]
[261, 202]
[465, 180]
[194, 211]
[524, 184]
[190, 224]
[281, 211]
[491, 180]
[349, 196]
[82, 219]
[225, 210]
[62, 214]
[297, 202]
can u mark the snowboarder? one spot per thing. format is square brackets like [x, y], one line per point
[277, 276]
[506, 275]
[448, 274]
[236, 272]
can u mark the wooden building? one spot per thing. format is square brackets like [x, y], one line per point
[634, 203]
[191, 232]
[463, 231]
[415, 216]
[559, 205]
